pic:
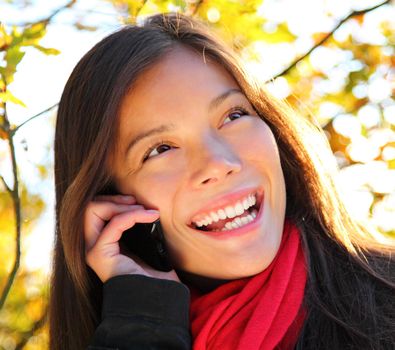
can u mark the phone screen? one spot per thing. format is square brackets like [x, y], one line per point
[148, 243]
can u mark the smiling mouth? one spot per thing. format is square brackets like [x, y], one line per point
[231, 217]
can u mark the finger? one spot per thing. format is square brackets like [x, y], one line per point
[106, 210]
[112, 233]
[119, 223]
[117, 198]
[98, 213]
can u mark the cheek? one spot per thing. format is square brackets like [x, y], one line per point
[256, 142]
[157, 187]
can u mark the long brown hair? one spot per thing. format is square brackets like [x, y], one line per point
[350, 293]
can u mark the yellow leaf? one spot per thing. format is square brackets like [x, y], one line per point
[12, 57]
[317, 37]
[3, 135]
[47, 50]
[81, 26]
[359, 18]
[9, 97]
[35, 31]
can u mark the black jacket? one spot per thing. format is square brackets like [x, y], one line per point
[140, 312]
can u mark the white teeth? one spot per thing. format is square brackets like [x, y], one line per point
[234, 225]
[251, 200]
[239, 222]
[239, 208]
[228, 225]
[214, 216]
[221, 213]
[244, 220]
[230, 212]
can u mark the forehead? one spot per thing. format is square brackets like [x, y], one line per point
[182, 79]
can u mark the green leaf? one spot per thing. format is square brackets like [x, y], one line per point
[35, 31]
[12, 58]
[16, 37]
[47, 50]
[181, 4]
[9, 97]
[33, 34]
[5, 39]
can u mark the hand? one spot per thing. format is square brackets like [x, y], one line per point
[105, 219]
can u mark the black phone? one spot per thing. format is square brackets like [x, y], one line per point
[148, 243]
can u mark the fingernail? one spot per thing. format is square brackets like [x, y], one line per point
[153, 211]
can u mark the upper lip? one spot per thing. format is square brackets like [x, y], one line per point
[223, 201]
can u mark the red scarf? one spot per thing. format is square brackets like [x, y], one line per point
[262, 312]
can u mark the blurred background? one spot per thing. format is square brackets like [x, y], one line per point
[332, 60]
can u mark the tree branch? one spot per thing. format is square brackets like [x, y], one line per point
[5, 184]
[17, 210]
[13, 131]
[139, 10]
[286, 70]
[14, 192]
[141, 7]
[45, 19]
[327, 36]
[129, 16]
[196, 8]
[36, 326]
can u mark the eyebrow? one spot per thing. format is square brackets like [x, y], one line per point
[165, 128]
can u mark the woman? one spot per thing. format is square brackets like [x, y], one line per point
[161, 121]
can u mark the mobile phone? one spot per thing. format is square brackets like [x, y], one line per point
[148, 243]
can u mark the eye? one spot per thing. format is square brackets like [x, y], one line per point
[156, 149]
[236, 113]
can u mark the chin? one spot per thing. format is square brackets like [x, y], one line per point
[249, 271]
[239, 271]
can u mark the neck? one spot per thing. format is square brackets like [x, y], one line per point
[201, 283]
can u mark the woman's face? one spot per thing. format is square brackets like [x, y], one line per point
[192, 146]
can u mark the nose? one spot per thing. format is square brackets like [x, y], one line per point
[214, 161]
